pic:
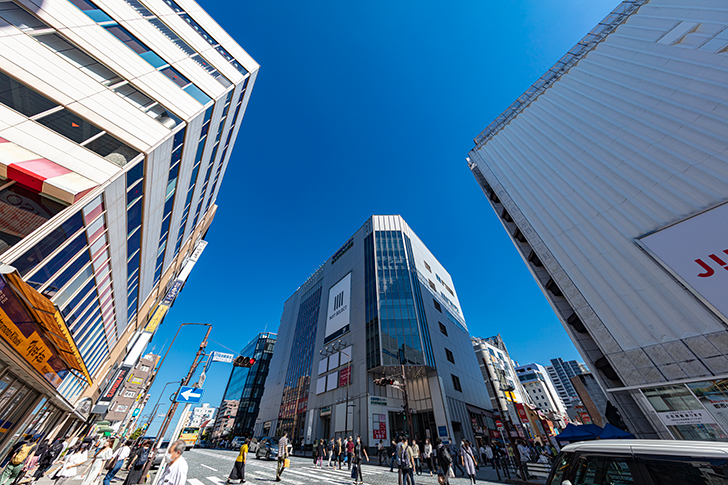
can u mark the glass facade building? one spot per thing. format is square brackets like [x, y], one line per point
[378, 305]
[103, 155]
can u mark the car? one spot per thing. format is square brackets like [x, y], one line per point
[160, 454]
[641, 462]
[237, 442]
[267, 448]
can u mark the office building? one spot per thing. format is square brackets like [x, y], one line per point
[381, 306]
[610, 175]
[117, 122]
[200, 415]
[245, 385]
[537, 383]
[225, 419]
[561, 372]
[132, 393]
[505, 390]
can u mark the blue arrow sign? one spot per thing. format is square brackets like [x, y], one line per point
[189, 394]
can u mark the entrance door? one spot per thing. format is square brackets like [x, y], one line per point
[326, 423]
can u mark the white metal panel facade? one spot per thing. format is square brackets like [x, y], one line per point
[629, 139]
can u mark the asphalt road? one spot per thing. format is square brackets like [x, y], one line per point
[212, 467]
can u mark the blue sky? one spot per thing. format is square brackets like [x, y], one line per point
[365, 108]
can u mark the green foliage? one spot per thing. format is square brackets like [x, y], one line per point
[137, 433]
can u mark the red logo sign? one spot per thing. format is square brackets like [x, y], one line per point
[709, 271]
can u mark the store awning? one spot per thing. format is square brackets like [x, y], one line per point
[49, 319]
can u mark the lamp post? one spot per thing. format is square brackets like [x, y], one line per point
[156, 405]
[327, 351]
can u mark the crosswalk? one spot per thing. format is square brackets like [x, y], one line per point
[298, 474]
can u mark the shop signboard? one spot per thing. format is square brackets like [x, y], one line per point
[522, 413]
[325, 411]
[687, 417]
[345, 376]
[695, 251]
[377, 401]
[102, 405]
[379, 426]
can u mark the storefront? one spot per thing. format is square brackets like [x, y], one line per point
[36, 353]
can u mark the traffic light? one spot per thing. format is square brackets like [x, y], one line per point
[384, 381]
[244, 361]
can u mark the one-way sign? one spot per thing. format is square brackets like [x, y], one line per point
[189, 394]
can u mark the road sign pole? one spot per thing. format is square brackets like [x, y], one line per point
[172, 409]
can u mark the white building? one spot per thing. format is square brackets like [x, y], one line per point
[200, 415]
[117, 122]
[610, 174]
[536, 382]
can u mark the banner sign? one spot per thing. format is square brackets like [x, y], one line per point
[221, 357]
[678, 418]
[696, 250]
[344, 376]
[337, 316]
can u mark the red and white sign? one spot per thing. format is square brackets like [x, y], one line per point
[696, 250]
[344, 378]
[498, 424]
[381, 433]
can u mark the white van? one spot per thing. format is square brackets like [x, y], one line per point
[641, 462]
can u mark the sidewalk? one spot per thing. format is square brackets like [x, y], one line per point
[118, 479]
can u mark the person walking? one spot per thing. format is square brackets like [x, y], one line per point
[359, 453]
[320, 452]
[429, 456]
[16, 459]
[136, 465]
[488, 455]
[454, 453]
[238, 471]
[416, 456]
[444, 460]
[175, 473]
[407, 462]
[47, 458]
[330, 450]
[380, 451]
[120, 455]
[102, 455]
[392, 455]
[349, 451]
[468, 460]
[282, 455]
[339, 452]
[76, 457]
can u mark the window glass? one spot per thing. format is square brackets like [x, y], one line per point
[135, 173]
[687, 471]
[82, 278]
[175, 76]
[603, 470]
[78, 298]
[127, 38]
[55, 264]
[70, 125]
[67, 274]
[21, 98]
[134, 216]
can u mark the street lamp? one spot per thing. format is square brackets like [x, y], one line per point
[156, 405]
[327, 351]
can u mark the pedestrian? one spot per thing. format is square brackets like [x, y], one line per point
[17, 458]
[468, 460]
[175, 473]
[444, 460]
[349, 451]
[320, 452]
[488, 455]
[137, 462]
[238, 471]
[392, 455]
[46, 458]
[339, 451]
[120, 455]
[455, 452]
[416, 456]
[429, 456]
[359, 453]
[101, 456]
[407, 462]
[380, 450]
[76, 457]
[401, 444]
[282, 455]
[330, 450]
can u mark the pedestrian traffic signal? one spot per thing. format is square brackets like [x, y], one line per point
[384, 381]
[244, 362]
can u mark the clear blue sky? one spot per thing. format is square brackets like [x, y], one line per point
[365, 108]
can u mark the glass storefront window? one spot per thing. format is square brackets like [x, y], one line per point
[683, 414]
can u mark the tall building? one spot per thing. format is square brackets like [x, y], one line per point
[200, 415]
[610, 174]
[537, 383]
[561, 372]
[133, 391]
[225, 419]
[118, 120]
[381, 306]
[245, 385]
[505, 390]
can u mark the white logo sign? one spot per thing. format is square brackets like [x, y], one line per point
[677, 418]
[696, 250]
[221, 357]
[337, 317]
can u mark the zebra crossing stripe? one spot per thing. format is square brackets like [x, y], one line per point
[215, 480]
[194, 481]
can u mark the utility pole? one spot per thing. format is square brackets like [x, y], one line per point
[407, 412]
[173, 408]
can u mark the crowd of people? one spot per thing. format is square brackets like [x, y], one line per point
[62, 460]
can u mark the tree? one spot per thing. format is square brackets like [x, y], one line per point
[137, 433]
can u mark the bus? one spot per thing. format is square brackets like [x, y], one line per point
[189, 436]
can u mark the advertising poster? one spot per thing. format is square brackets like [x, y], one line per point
[337, 316]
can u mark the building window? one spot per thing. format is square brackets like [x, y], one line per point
[443, 329]
[437, 305]
[432, 285]
[428, 267]
[456, 383]
[144, 368]
[449, 356]
[130, 394]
